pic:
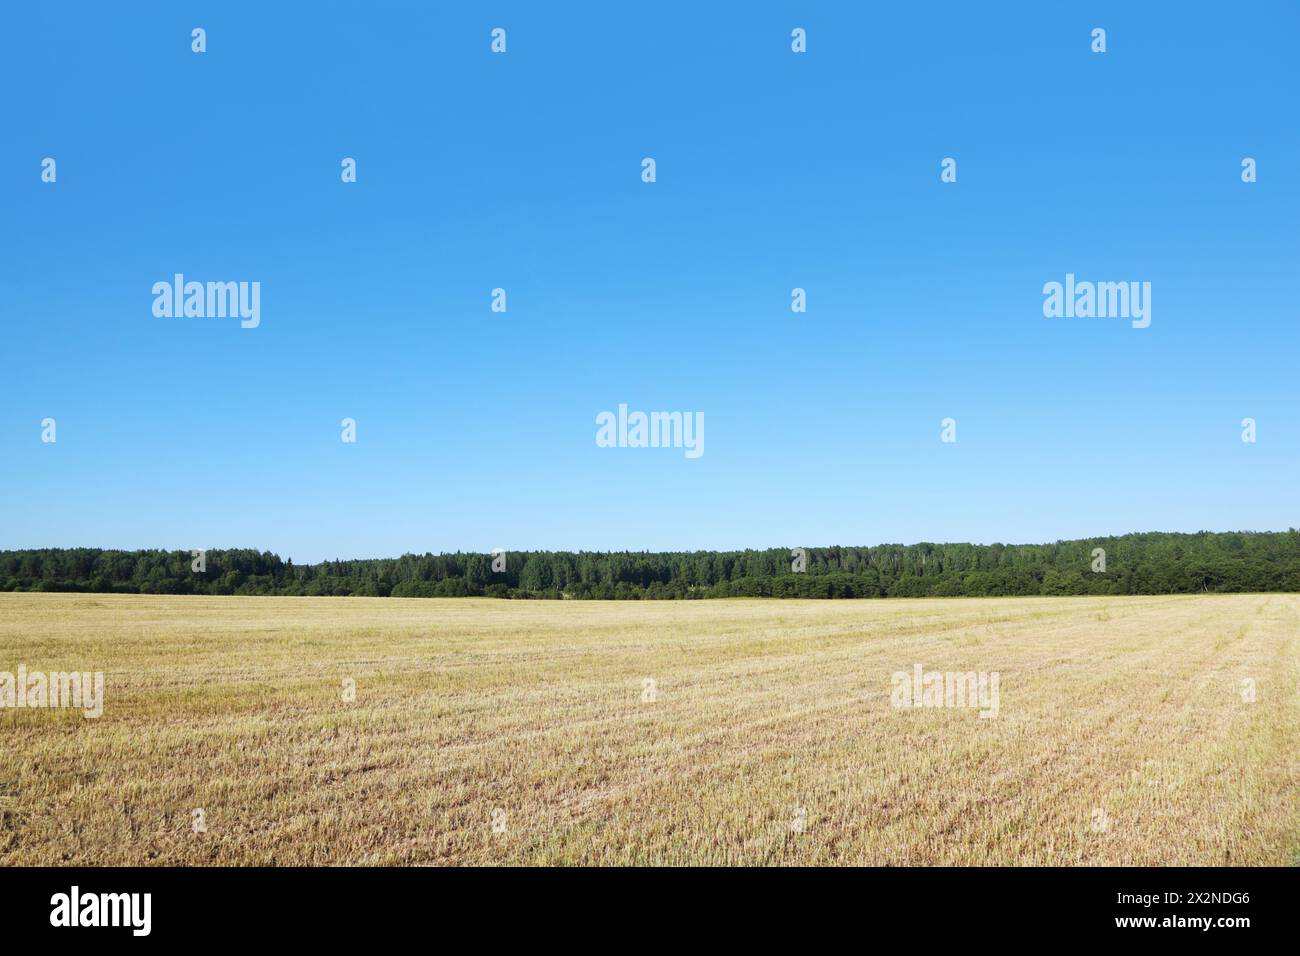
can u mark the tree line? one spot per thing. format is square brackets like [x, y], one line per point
[1151, 563]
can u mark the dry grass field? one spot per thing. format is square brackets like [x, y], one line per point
[1123, 735]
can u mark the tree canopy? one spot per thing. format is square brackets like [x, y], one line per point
[1149, 563]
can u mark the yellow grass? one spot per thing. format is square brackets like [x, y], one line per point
[1128, 706]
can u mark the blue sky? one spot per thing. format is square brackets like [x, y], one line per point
[522, 171]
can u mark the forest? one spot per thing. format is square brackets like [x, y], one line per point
[1149, 563]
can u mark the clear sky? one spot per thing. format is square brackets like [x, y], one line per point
[522, 171]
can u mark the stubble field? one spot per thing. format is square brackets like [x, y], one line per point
[710, 732]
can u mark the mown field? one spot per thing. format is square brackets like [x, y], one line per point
[514, 732]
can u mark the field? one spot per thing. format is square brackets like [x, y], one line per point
[737, 732]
